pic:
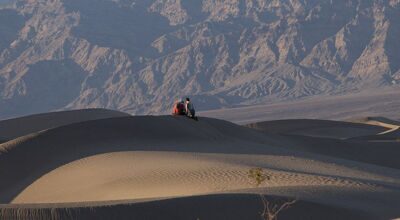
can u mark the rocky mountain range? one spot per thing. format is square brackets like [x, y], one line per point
[139, 56]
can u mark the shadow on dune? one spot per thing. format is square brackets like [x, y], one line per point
[306, 127]
[378, 153]
[352, 145]
[226, 206]
[17, 127]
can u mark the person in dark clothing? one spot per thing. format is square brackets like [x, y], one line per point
[189, 109]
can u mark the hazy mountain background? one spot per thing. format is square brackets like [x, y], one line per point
[140, 55]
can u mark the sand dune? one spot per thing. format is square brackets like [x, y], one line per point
[134, 167]
[13, 128]
[125, 175]
[341, 107]
[347, 140]
[38, 153]
[214, 206]
[379, 121]
[318, 128]
[392, 132]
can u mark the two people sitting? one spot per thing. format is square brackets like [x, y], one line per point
[185, 107]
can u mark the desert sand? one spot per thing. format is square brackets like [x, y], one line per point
[17, 127]
[376, 103]
[115, 166]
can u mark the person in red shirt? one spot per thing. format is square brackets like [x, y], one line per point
[179, 108]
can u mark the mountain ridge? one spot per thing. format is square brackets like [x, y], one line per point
[139, 56]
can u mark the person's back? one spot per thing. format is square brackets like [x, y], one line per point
[179, 108]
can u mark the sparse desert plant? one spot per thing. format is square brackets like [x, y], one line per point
[258, 176]
[270, 210]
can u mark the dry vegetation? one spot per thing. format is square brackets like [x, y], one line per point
[270, 210]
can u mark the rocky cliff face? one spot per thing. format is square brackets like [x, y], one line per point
[141, 55]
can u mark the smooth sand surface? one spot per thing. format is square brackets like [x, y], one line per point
[168, 167]
[126, 175]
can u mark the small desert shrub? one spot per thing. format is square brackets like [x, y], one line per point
[258, 176]
[270, 210]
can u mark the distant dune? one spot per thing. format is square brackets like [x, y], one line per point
[317, 128]
[363, 141]
[105, 165]
[13, 128]
[382, 103]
